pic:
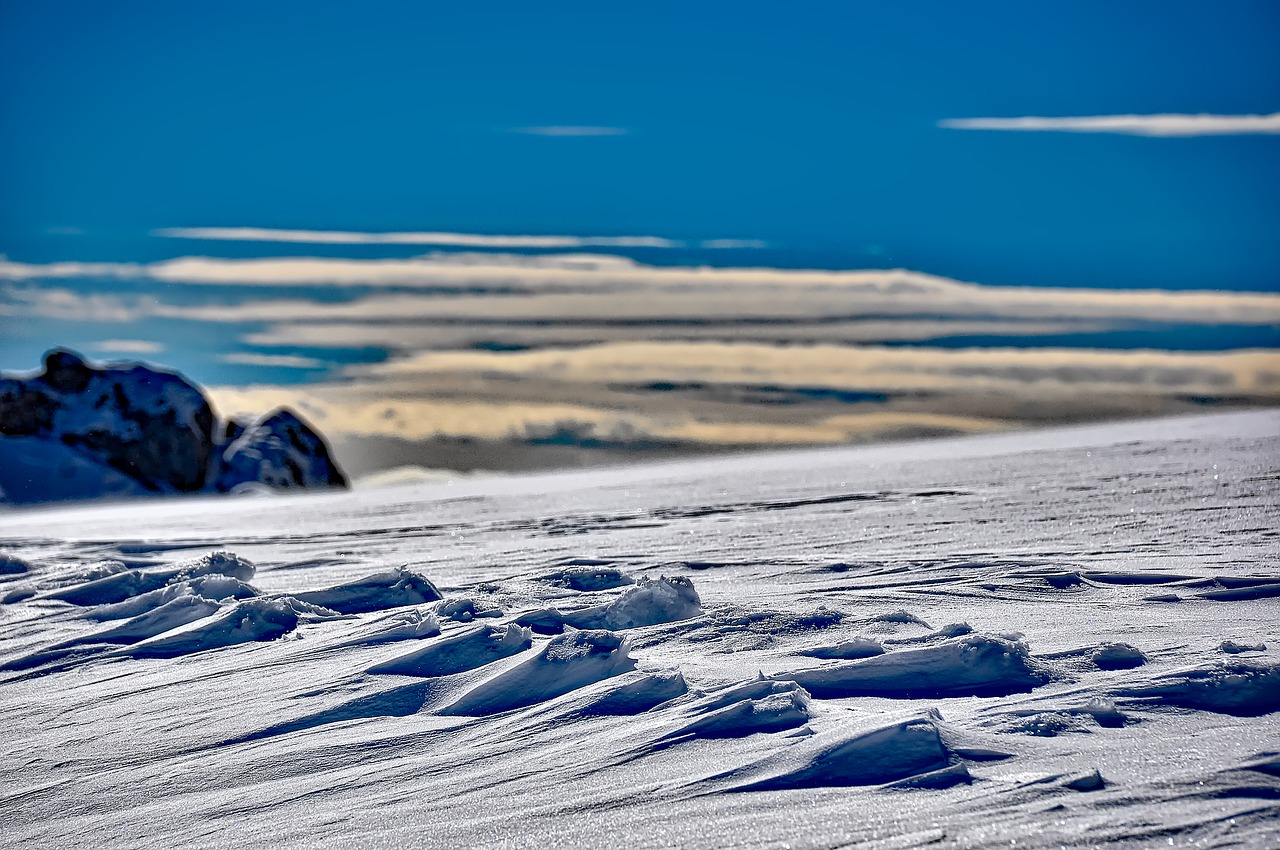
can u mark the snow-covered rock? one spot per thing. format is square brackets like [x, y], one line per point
[78, 431]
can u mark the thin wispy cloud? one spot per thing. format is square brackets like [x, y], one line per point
[1169, 124]
[461, 240]
[127, 346]
[277, 361]
[733, 244]
[570, 130]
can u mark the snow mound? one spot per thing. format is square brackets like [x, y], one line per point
[219, 563]
[466, 651]
[119, 583]
[951, 630]
[567, 662]
[974, 665]
[463, 609]
[587, 577]
[760, 706]
[634, 693]
[403, 625]
[259, 619]
[1233, 648]
[650, 602]
[183, 609]
[213, 587]
[390, 589]
[902, 616]
[12, 565]
[1245, 690]
[1117, 656]
[111, 589]
[858, 647]
[843, 757]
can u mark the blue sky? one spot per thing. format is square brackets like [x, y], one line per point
[812, 126]
[1026, 212]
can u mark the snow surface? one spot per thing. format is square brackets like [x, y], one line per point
[1037, 640]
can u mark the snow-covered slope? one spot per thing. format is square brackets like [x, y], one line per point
[1066, 638]
[76, 431]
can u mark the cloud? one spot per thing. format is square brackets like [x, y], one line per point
[127, 346]
[734, 244]
[710, 393]
[1131, 125]
[585, 290]
[287, 361]
[64, 305]
[563, 130]
[463, 240]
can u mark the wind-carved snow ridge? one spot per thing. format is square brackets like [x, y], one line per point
[389, 589]
[210, 587]
[848, 756]
[467, 650]
[758, 706]
[567, 662]
[648, 603]
[118, 586]
[975, 665]
[251, 620]
[796, 696]
[1234, 687]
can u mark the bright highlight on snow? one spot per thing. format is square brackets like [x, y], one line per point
[1056, 639]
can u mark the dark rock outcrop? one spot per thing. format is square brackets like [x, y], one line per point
[152, 426]
[281, 451]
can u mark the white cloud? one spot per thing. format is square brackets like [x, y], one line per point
[287, 361]
[1131, 125]
[734, 243]
[463, 240]
[580, 288]
[127, 346]
[562, 130]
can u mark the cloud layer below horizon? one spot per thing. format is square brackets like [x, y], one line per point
[464, 351]
[1167, 124]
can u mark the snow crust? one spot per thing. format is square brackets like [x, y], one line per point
[959, 643]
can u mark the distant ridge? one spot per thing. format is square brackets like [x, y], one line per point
[82, 431]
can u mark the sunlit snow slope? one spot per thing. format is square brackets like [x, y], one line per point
[1061, 638]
